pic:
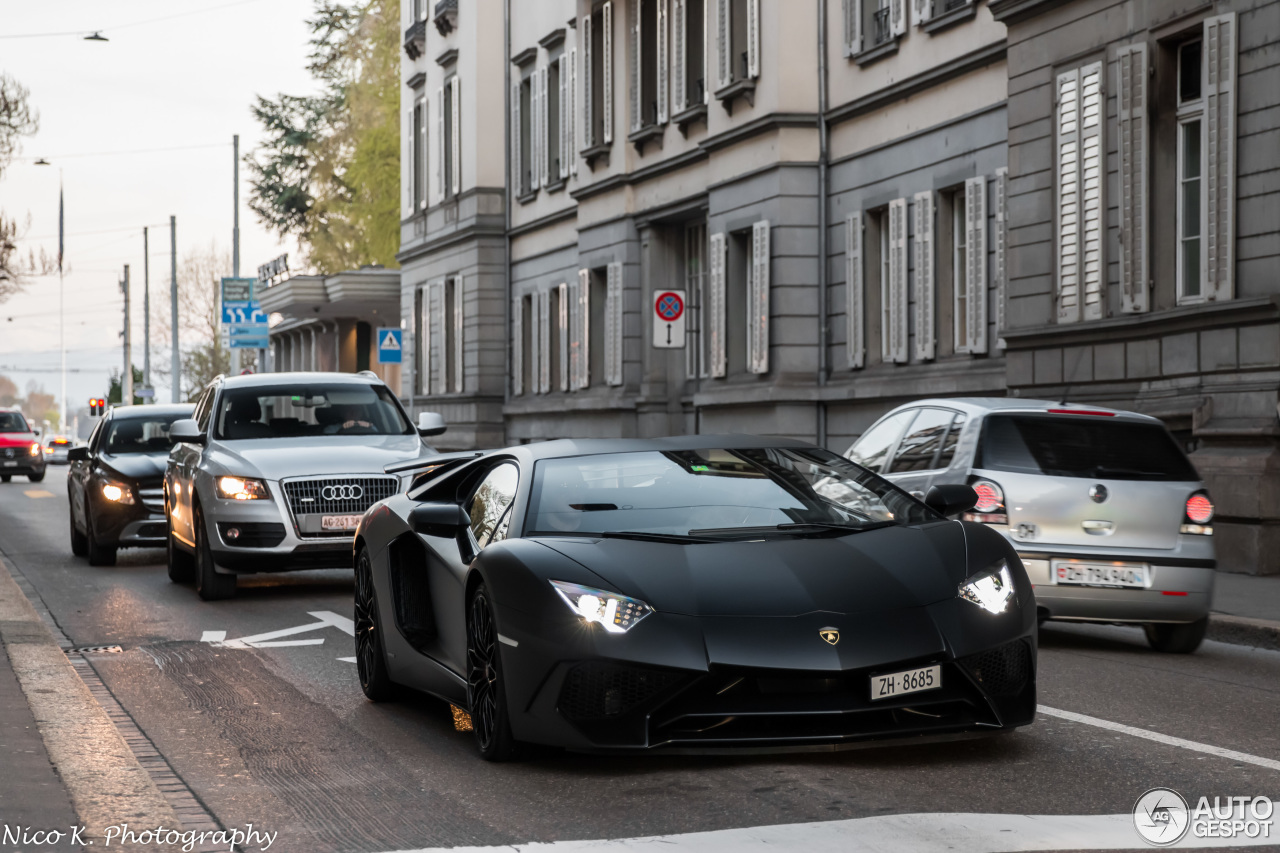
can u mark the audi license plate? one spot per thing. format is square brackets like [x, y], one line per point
[911, 681]
[1101, 574]
[339, 522]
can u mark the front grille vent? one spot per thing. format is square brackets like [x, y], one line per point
[152, 498]
[596, 690]
[1002, 671]
[348, 495]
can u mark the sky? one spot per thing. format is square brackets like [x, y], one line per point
[186, 83]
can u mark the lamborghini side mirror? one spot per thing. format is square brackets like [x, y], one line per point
[951, 499]
[439, 519]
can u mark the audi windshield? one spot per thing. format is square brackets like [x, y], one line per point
[714, 494]
[299, 411]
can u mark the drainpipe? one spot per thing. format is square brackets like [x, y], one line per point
[506, 207]
[822, 218]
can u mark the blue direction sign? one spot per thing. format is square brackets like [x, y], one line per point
[390, 346]
[243, 313]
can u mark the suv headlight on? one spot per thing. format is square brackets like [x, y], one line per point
[117, 492]
[991, 590]
[241, 489]
[617, 613]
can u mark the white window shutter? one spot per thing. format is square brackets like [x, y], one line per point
[895, 336]
[584, 329]
[852, 27]
[897, 17]
[577, 343]
[1218, 157]
[536, 138]
[664, 61]
[563, 122]
[921, 12]
[456, 141]
[423, 159]
[543, 301]
[1131, 125]
[613, 324]
[925, 284]
[975, 274]
[517, 346]
[562, 325]
[606, 15]
[706, 55]
[571, 123]
[724, 59]
[459, 306]
[1093, 175]
[406, 156]
[424, 341]
[1000, 269]
[715, 321]
[588, 126]
[439, 338]
[545, 129]
[753, 38]
[855, 336]
[1067, 210]
[758, 309]
[680, 95]
[440, 143]
[517, 174]
[636, 89]
[535, 345]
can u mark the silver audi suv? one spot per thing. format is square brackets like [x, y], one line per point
[273, 472]
[1108, 514]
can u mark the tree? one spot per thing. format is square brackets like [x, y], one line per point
[329, 173]
[8, 391]
[115, 392]
[17, 119]
[39, 406]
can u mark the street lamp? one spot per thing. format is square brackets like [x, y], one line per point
[62, 324]
[96, 36]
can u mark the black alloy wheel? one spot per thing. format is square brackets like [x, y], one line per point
[98, 553]
[371, 660]
[4, 478]
[79, 542]
[35, 478]
[486, 695]
[182, 566]
[210, 583]
[1178, 639]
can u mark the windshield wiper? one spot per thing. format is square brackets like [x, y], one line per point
[635, 535]
[790, 527]
[1104, 470]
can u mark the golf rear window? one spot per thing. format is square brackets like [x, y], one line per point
[1081, 446]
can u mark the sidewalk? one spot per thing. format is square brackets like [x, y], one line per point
[1246, 610]
[31, 794]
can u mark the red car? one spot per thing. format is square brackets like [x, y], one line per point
[20, 451]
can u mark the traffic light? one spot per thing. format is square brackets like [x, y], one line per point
[97, 406]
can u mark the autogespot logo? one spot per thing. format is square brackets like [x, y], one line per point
[1160, 816]
[342, 493]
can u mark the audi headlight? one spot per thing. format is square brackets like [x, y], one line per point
[617, 613]
[241, 489]
[117, 492]
[991, 590]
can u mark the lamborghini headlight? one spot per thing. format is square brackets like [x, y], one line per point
[617, 613]
[991, 590]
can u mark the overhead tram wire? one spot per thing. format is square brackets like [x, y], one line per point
[98, 30]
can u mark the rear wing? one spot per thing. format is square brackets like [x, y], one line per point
[427, 464]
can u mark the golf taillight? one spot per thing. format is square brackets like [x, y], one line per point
[990, 497]
[1199, 508]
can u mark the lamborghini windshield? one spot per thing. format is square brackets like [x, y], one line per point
[713, 494]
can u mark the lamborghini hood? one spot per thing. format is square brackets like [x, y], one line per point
[889, 569]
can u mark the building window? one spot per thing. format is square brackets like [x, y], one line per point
[1190, 128]
[697, 354]
[871, 23]
[737, 41]
[596, 34]
[451, 138]
[596, 318]
[1080, 177]
[959, 263]
[528, 343]
[552, 90]
[554, 334]
[525, 111]
[416, 155]
[877, 24]
[440, 336]
[690, 53]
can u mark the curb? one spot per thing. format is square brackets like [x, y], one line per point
[1244, 631]
[103, 777]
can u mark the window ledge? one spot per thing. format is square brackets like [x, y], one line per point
[684, 118]
[556, 186]
[745, 88]
[958, 15]
[649, 133]
[595, 152]
[875, 54]
[527, 197]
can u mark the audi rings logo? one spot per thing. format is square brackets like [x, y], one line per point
[342, 493]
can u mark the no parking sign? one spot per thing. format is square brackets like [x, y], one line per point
[668, 319]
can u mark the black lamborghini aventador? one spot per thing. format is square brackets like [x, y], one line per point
[694, 592]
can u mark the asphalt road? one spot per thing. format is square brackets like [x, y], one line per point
[281, 736]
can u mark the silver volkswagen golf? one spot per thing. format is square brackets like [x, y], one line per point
[273, 473]
[1108, 514]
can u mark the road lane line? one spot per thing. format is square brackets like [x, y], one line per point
[1195, 746]
[213, 636]
[275, 644]
[342, 623]
[38, 493]
[903, 833]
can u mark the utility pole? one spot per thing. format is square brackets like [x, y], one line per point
[126, 378]
[146, 317]
[235, 231]
[176, 364]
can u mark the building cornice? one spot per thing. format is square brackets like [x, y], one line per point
[755, 127]
[662, 167]
[1184, 318]
[552, 39]
[544, 221]
[882, 98]
[524, 57]
[1016, 11]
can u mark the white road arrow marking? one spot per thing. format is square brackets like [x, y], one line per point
[274, 639]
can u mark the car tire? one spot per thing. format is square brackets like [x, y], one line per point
[4, 478]
[98, 554]
[486, 691]
[35, 478]
[371, 657]
[1181, 639]
[210, 584]
[79, 542]
[182, 566]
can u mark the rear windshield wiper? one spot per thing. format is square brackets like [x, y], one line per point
[634, 535]
[1105, 471]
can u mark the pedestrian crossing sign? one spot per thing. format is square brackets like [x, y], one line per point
[390, 346]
